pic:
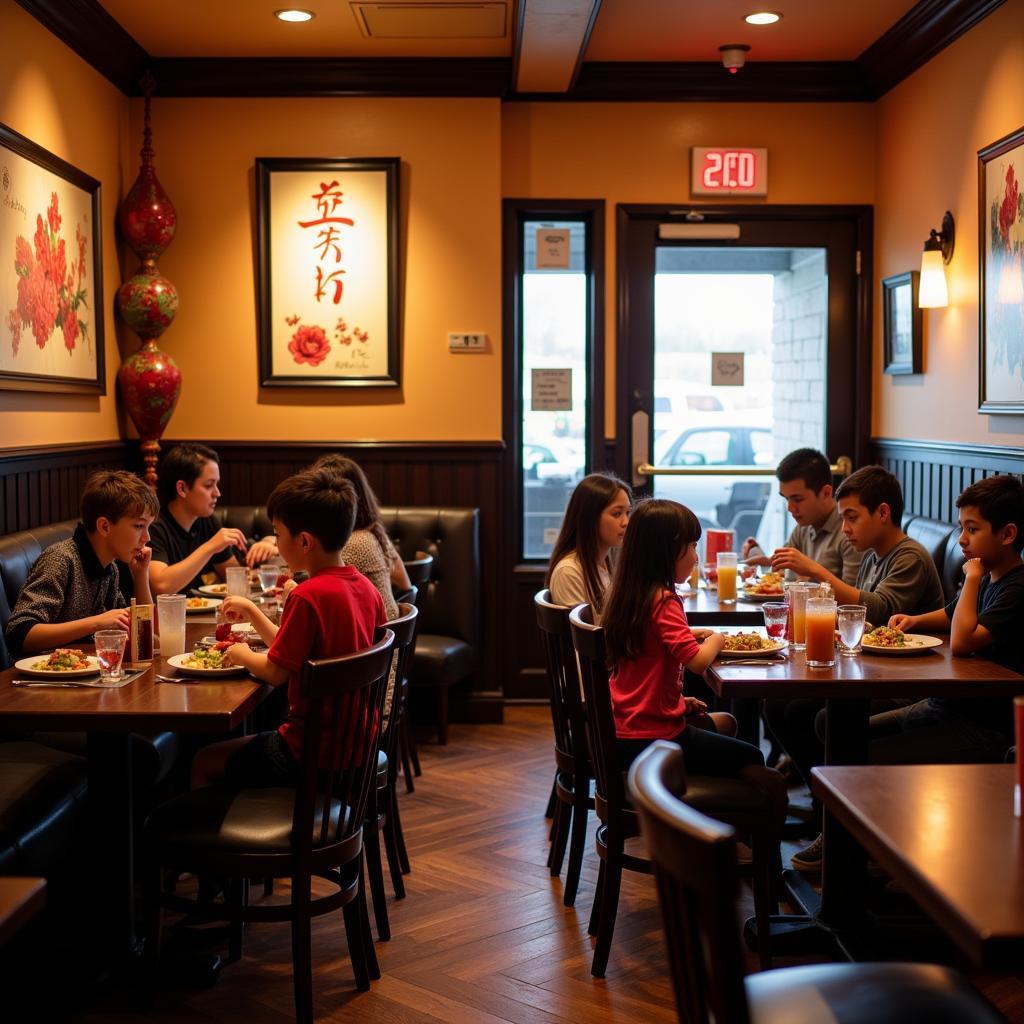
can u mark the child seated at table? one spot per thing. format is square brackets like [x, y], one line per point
[594, 525]
[984, 618]
[83, 584]
[333, 613]
[649, 643]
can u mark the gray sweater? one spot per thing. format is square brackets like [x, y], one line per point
[905, 581]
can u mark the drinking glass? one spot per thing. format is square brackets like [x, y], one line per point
[821, 632]
[796, 596]
[850, 623]
[268, 575]
[726, 561]
[110, 653]
[170, 610]
[775, 615]
[237, 577]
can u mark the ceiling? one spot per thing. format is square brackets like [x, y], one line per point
[624, 30]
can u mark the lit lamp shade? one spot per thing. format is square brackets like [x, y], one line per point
[932, 293]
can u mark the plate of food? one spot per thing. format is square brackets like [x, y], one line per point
[63, 663]
[750, 645]
[883, 640]
[204, 662]
[766, 588]
[194, 605]
[214, 589]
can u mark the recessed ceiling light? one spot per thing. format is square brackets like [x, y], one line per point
[294, 14]
[762, 18]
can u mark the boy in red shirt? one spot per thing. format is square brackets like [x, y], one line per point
[333, 613]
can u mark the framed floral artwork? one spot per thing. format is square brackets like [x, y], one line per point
[1001, 306]
[329, 310]
[51, 272]
[901, 323]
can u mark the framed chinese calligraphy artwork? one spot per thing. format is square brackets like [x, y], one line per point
[328, 272]
[51, 272]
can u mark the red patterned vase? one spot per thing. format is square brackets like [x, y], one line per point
[148, 302]
[147, 216]
[150, 384]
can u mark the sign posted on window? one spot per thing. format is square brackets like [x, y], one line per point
[727, 369]
[551, 390]
[553, 249]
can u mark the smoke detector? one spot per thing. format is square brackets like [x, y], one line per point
[734, 56]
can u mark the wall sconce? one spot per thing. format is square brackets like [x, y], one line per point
[938, 251]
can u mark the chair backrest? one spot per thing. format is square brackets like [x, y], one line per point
[346, 704]
[588, 639]
[695, 868]
[420, 569]
[252, 520]
[404, 628]
[449, 602]
[567, 715]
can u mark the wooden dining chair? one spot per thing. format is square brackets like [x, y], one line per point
[573, 772]
[419, 570]
[732, 799]
[315, 829]
[382, 814]
[695, 868]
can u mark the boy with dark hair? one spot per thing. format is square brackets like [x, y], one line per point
[805, 482]
[985, 617]
[83, 584]
[333, 613]
[189, 549]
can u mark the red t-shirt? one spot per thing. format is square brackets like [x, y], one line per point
[331, 614]
[647, 692]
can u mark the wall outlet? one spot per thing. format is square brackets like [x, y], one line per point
[467, 342]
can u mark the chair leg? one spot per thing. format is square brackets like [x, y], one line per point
[549, 811]
[375, 873]
[369, 951]
[563, 817]
[302, 949]
[406, 760]
[577, 841]
[609, 911]
[442, 715]
[391, 845]
[595, 910]
[356, 941]
[414, 752]
[764, 853]
[152, 932]
[396, 824]
[233, 899]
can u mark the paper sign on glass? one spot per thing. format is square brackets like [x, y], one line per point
[553, 249]
[727, 369]
[551, 390]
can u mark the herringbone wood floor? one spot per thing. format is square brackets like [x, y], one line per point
[482, 937]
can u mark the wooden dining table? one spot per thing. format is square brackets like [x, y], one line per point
[21, 899]
[847, 689]
[948, 836]
[109, 717]
[703, 608]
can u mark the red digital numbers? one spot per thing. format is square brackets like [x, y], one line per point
[729, 170]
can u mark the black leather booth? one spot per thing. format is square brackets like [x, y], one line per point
[942, 542]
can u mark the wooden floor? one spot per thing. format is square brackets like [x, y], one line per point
[482, 937]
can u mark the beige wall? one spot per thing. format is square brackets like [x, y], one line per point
[58, 101]
[930, 128]
[640, 152]
[451, 264]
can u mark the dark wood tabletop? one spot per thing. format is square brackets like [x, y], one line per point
[145, 705]
[703, 609]
[948, 835]
[20, 900]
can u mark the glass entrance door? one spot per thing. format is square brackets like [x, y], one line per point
[735, 355]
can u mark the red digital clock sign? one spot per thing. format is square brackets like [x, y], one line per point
[740, 171]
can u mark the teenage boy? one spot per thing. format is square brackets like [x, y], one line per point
[189, 548]
[805, 483]
[984, 618]
[333, 613]
[82, 584]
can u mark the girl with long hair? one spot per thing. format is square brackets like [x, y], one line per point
[369, 548]
[649, 643]
[594, 525]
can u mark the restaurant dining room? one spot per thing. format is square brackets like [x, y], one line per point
[510, 511]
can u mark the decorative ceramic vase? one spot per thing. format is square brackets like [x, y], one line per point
[150, 379]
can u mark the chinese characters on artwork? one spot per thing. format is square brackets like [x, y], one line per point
[328, 241]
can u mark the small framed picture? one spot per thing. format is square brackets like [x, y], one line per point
[901, 322]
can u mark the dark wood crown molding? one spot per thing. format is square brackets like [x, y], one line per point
[926, 29]
[326, 76]
[95, 36]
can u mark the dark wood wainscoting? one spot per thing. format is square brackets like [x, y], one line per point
[933, 473]
[457, 474]
[42, 484]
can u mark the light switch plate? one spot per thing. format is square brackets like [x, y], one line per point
[467, 342]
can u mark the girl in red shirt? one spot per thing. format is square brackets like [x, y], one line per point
[649, 643]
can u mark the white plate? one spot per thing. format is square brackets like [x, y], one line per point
[915, 644]
[764, 652]
[210, 604]
[25, 666]
[214, 589]
[177, 661]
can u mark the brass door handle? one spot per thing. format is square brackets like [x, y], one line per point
[843, 466]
